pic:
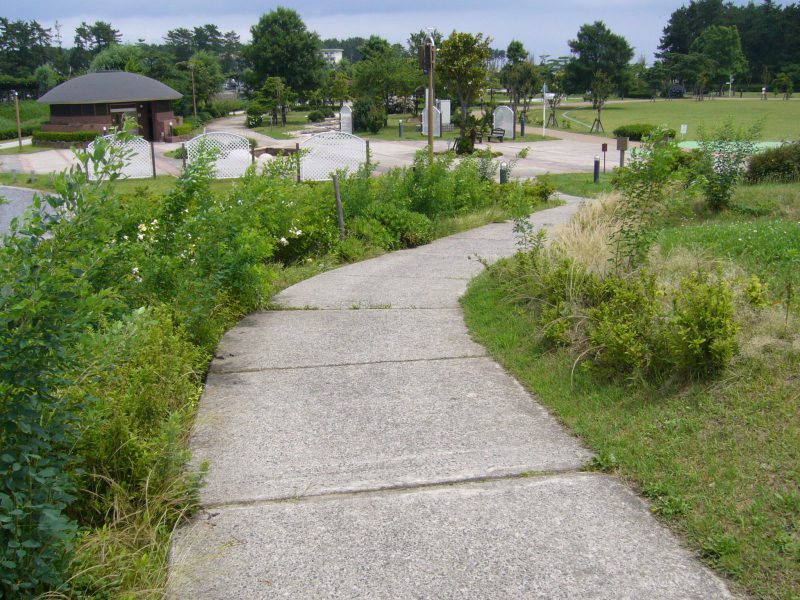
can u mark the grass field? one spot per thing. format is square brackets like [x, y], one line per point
[781, 119]
[31, 114]
[295, 121]
[26, 149]
[719, 461]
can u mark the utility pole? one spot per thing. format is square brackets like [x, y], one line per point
[194, 97]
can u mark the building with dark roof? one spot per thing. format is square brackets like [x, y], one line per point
[99, 101]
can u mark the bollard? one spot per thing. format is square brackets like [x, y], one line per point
[503, 172]
[13, 176]
[522, 126]
[596, 168]
[339, 209]
[400, 127]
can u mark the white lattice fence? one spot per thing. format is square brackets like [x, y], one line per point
[325, 153]
[138, 160]
[232, 153]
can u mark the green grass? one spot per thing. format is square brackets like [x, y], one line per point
[781, 118]
[719, 461]
[581, 184]
[158, 186]
[31, 114]
[26, 149]
[295, 121]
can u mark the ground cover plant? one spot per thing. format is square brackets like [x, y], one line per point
[112, 304]
[779, 118]
[673, 353]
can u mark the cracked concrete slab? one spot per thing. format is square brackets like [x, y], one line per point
[556, 537]
[300, 432]
[305, 338]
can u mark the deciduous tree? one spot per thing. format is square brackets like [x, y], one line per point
[461, 62]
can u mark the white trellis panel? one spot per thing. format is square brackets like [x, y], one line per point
[138, 162]
[325, 153]
[233, 152]
[504, 119]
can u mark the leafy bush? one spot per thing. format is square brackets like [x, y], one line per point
[726, 150]
[368, 115]
[775, 164]
[10, 134]
[222, 108]
[315, 116]
[410, 228]
[184, 129]
[255, 115]
[40, 137]
[639, 131]
[702, 328]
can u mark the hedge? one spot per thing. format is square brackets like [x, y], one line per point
[776, 164]
[64, 136]
[10, 134]
[636, 131]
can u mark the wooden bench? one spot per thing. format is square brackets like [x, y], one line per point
[498, 133]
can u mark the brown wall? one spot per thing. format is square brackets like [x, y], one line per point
[78, 123]
[161, 121]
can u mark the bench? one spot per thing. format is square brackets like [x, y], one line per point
[498, 133]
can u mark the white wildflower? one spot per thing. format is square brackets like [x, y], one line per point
[284, 241]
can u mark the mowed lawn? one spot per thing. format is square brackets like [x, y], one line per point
[781, 119]
[31, 114]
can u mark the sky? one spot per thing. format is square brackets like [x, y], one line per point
[544, 27]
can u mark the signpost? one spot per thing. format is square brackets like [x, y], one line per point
[544, 108]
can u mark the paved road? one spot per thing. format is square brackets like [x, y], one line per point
[18, 201]
[368, 448]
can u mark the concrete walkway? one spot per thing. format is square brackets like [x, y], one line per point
[380, 453]
[14, 201]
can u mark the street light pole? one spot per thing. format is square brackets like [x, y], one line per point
[194, 97]
[19, 124]
[431, 61]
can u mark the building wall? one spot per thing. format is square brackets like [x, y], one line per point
[160, 112]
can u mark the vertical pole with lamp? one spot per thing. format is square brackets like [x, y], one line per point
[427, 62]
[19, 123]
[544, 109]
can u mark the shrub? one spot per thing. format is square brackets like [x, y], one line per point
[184, 129]
[255, 115]
[315, 116]
[726, 150]
[64, 136]
[368, 115]
[775, 164]
[702, 328]
[410, 228]
[222, 108]
[639, 131]
[10, 134]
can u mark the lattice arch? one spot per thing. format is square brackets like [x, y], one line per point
[331, 151]
[138, 163]
[233, 152]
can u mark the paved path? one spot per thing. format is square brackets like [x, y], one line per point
[380, 453]
[17, 202]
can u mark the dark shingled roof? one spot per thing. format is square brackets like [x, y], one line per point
[109, 86]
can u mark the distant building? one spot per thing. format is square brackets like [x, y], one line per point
[99, 101]
[333, 56]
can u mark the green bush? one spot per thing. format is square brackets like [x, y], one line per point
[184, 129]
[638, 131]
[222, 108]
[64, 136]
[775, 164]
[410, 228]
[255, 115]
[315, 116]
[368, 115]
[702, 328]
[10, 134]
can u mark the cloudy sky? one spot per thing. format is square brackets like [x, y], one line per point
[544, 26]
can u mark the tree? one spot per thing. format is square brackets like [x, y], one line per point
[384, 73]
[208, 76]
[24, 46]
[90, 40]
[180, 42]
[337, 88]
[275, 97]
[121, 57]
[462, 67]
[601, 90]
[350, 47]
[597, 49]
[516, 53]
[557, 91]
[417, 40]
[721, 45]
[523, 81]
[283, 47]
[783, 83]
[46, 79]
[687, 23]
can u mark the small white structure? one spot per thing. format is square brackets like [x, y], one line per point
[346, 119]
[504, 118]
[325, 153]
[437, 122]
[233, 155]
[444, 108]
[138, 159]
[333, 56]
